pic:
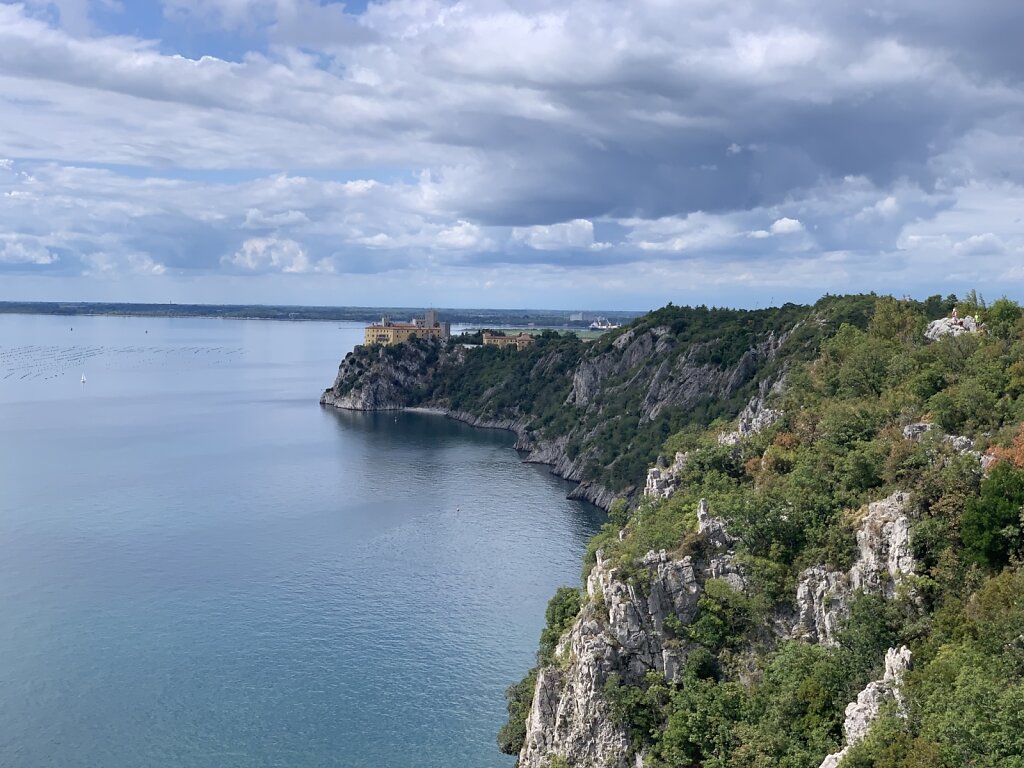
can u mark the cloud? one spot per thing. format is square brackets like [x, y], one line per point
[113, 265]
[578, 233]
[17, 249]
[980, 245]
[462, 236]
[419, 136]
[257, 219]
[263, 254]
[783, 226]
[786, 226]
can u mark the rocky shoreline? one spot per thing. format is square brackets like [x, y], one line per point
[548, 453]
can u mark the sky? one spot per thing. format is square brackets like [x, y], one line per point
[483, 153]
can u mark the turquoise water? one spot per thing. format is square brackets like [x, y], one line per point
[199, 566]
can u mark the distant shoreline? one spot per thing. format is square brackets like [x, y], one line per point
[540, 318]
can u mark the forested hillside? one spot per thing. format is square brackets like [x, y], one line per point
[795, 611]
[599, 412]
[834, 581]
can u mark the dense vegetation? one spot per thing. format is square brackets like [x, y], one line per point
[671, 370]
[792, 493]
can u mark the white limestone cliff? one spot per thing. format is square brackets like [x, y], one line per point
[620, 630]
[884, 560]
[862, 713]
[663, 481]
[756, 415]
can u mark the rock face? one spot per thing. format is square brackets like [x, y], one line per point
[948, 326]
[650, 359]
[863, 712]
[756, 416]
[387, 378]
[884, 560]
[663, 481]
[650, 368]
[621, 630]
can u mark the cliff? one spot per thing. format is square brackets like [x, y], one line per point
[624, 632]
[598, 412]
[827, 492]
[761, 602]
[634, 626]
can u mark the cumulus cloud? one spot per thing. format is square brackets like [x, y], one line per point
[481, 133]
[17, 249]
[786, 226]
[462, 236]
[980, 245]
[578, 233]
[783, 226]
[262, 254]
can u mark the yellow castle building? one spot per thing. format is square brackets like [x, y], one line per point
[521, 341]
[387, 333]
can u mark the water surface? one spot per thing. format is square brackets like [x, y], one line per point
[199, 566]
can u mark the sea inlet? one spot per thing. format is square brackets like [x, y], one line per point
[200, 566]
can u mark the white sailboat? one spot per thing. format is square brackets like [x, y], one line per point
[83, 378]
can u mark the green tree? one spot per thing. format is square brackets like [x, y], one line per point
[1002, 317]
[561, 611]
[991, 525]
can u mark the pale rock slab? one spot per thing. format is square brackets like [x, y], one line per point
[947, 326]
[884, 559]
[663, 481]
[862, 713]
[621, 630]
[756, 416]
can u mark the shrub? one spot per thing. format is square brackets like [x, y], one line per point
[562, 610]
[991, 525]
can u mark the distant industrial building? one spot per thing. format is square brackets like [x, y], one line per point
[387, 333]
[520, 341]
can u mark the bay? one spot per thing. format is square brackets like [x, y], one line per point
[199, 566]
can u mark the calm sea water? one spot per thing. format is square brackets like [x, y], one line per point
[199, 566]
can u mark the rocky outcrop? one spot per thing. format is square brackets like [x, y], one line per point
[884, 559]
[663, 481]
[388, 378]
[963, 445]
[623, 629]
[952, 326]
[651, 361]
[756, 415]
[863, 712]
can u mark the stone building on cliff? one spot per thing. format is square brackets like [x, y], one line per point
[387, 333]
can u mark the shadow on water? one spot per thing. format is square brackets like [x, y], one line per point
[425, 430]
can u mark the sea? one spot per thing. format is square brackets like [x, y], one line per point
[201, 567]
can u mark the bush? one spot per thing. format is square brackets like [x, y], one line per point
[519, 697]
[561, 612]
[991, 526]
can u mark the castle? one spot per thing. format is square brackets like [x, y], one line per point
[387, 333]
